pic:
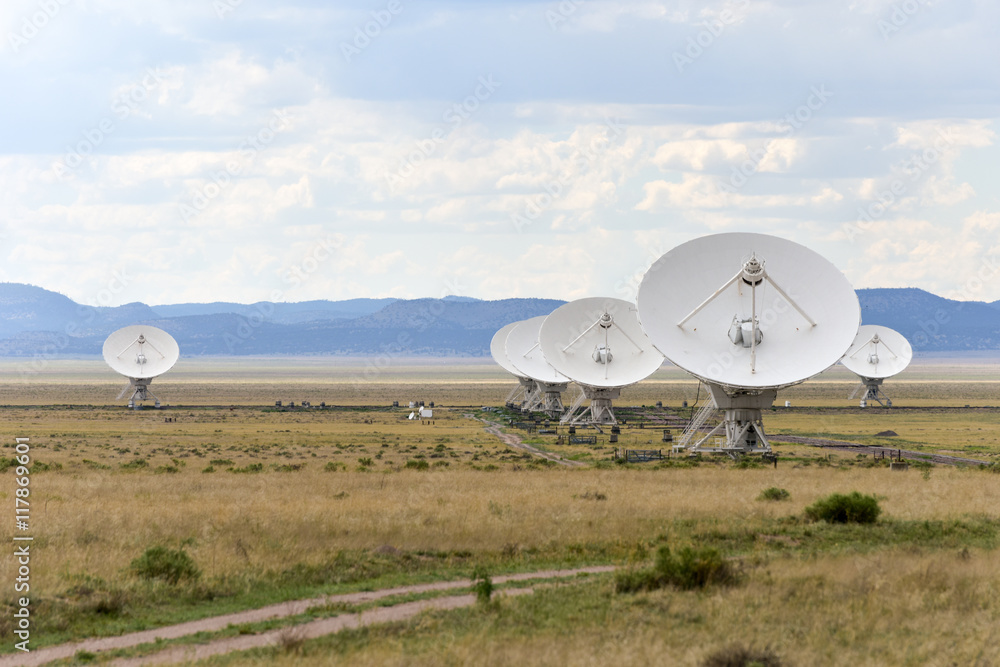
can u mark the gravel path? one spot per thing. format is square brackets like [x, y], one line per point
[316, 628]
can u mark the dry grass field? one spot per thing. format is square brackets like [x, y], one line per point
[279, 504]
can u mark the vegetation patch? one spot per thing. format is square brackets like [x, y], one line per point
[169, 565]
[840, 508]
[774, 493]
[691, 568]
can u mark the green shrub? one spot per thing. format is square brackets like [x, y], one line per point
[418, 465]
[690, 569]
[170, 565]
[252, 468]
[334, 466]
[482, 585]
[737, 655]
[774, 493]
[850, 508]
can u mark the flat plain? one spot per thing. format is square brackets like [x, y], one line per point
[273, 504]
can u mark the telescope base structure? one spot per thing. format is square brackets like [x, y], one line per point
[520, 394]
[741, 430]
[599, 412]
[141, 392]
[874, 393]
[552, 403]
[546, 397]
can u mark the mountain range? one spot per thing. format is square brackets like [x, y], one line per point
[38, 322]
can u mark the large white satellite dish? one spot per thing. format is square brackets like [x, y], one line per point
[140, 353]
[877, 353]
[599, 344]
[747, 314]
[519, 394]
[526, 356]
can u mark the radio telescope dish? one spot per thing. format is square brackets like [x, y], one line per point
[747, 314]
[877, 353]
[140, 353]
[524, 353]
[598, 343]
[519, 394]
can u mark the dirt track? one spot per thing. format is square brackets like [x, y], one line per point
[310, 630]
[514, 441]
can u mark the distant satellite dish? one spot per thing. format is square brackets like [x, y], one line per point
[140, 353]
[520, 394]
[598, 343]
[877, 353]
[747, 314]
[524, 353]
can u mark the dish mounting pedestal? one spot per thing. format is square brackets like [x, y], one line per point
[873, 393]
[741, 424]
[599, 411]
[141, 392]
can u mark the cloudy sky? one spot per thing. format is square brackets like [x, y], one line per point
[196, 150]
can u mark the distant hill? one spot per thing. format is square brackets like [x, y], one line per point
[38, 322]
[933, 323]
[284, 313]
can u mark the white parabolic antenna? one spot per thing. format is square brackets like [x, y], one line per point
[519, 394]
[877, 353]
[526, 356]
[497, 349]
[747, 314]
[141, 353]
[598, 343]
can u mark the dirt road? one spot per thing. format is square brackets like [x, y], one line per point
[512, 440]
[316, 628]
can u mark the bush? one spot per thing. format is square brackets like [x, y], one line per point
[170, 565]
[737, 655]
[838, 508]
[692, 568]
[418, 465]
[774, 493]
[482, 585]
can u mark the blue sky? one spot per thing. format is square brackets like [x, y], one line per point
[202, 150]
